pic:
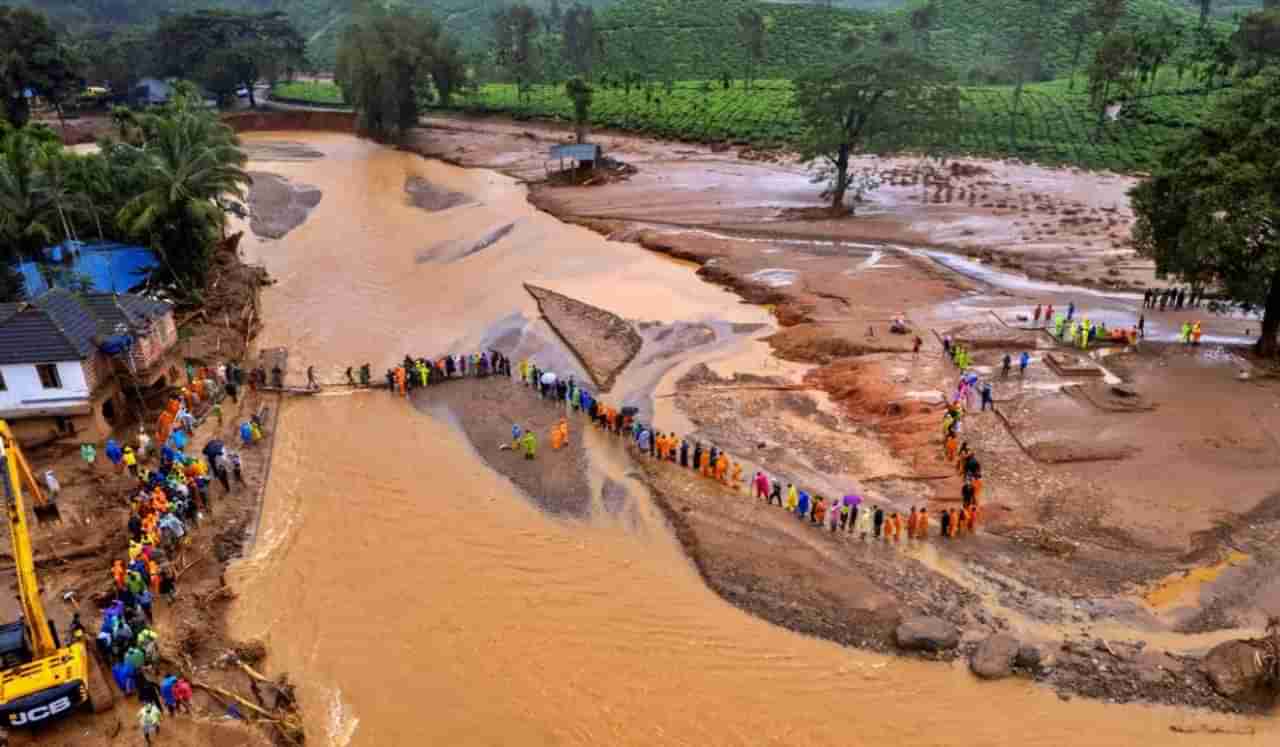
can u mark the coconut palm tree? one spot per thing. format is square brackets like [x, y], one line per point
[25, 209]
[188, 160]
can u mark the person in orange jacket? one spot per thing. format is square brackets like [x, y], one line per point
[722, 468]
[912, 519]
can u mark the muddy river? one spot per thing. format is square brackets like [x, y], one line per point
[418, 598]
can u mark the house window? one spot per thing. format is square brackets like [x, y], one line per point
[49, 378]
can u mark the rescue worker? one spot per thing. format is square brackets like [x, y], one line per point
[149, 721]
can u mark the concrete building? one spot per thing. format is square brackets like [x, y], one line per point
[55, 380]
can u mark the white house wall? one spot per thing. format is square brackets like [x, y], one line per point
[23, 390]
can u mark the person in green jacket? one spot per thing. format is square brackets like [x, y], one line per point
[530, 444]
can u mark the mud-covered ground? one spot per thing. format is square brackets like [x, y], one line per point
[277, 205]
[75, 556]
[1102, 518]
[486, 409]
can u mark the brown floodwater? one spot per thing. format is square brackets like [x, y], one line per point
[417, 598]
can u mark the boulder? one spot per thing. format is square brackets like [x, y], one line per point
[993, 659]
[927, 634]
[1036, 657]
[1234, 668]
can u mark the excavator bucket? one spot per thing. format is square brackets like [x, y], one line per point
[44, 507]
[47, 513]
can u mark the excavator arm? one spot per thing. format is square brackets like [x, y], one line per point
[39, 680]
[33, 615]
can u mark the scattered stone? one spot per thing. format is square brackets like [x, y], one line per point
[1154, 667]
[994, 657]
[927, 634]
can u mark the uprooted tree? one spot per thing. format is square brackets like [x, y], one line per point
[879, 99]
[1210, 211]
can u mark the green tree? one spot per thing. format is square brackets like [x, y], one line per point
[876, 100]
[922, 21]
[1107, 14]
[32, 59]
[223, 50]
[116, 58]
[751, 35]
[388, 61]
[1111, 71]
[189, 161]
[580, 39]
[1258, 40]
[27, 219]
[1080, 27]
[580, 92]
[1210, 211]
[515, 50]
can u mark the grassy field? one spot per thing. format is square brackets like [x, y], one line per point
[1051, 123]
[317, 92]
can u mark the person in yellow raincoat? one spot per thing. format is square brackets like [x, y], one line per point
[793, 498]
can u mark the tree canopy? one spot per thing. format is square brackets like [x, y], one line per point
[224, 50]
[1210, 211]
[389, 63]
[874, 101]
[32, 59]
[163, 189]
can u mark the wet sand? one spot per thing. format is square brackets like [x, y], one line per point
[395, 568]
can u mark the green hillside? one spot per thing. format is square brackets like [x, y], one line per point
[685, 38]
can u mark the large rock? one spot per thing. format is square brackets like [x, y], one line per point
[993, 659]
[927, 634]
[1036, 657]
[1234, 669]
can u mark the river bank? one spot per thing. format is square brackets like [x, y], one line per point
[75, 554]
[469, 594]
[826, 304]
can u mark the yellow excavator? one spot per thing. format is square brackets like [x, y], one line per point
[40, 679]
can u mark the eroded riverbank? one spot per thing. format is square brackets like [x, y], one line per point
[390, 553]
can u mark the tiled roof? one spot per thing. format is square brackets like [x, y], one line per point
[61, 326]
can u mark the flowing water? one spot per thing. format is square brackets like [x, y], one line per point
[417, 598]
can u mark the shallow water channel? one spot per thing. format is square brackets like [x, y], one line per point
[417, 598]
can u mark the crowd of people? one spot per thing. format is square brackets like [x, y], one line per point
[172, 491]
[846, 514]
[1172, 298]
